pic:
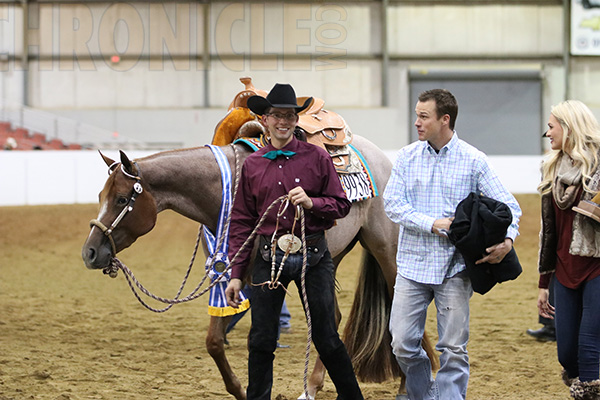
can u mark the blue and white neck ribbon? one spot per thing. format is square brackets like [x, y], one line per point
[219, 255]
[217, 301]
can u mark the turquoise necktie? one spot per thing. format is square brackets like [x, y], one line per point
[271, 155]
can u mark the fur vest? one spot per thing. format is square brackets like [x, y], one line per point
[586, 232]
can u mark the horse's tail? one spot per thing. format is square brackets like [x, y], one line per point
[366, 334]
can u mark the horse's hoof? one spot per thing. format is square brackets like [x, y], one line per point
[303, 397]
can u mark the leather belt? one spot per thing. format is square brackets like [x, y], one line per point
[312, 242]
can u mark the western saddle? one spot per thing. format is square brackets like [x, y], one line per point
[322, 128]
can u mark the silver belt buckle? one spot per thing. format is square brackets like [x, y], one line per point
[285, 240]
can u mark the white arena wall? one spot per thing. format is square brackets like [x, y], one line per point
[71, 177]
[53, 177]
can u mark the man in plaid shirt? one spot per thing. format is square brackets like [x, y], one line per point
[430, 177]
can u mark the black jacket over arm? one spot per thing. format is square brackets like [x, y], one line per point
[479, 223]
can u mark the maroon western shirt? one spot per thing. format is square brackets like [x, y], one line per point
[571, 271]
[263, 180]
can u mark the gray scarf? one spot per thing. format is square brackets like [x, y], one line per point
[566, 183]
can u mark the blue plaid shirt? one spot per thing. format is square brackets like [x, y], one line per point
[426, 186]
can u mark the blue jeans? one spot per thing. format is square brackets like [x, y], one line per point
[407, 325]
[578, 328]
[266, 307]
[285, 317]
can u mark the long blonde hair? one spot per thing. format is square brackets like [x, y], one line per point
[580, 141]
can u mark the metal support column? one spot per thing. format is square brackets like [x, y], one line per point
[567, 46]
[25, 54]
[385, 57]
[206, 55]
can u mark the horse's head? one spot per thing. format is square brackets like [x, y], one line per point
[127, 211]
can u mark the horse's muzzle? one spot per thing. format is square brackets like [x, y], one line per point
[96, 255]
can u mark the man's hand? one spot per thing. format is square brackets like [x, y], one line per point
[299, 197]
[442, 226]
[232, 293]
[496, 253]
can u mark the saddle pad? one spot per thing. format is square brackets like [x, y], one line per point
[253, 142]
[358, 185]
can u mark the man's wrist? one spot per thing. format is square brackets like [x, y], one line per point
[236, 281]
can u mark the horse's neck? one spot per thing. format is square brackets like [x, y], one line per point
[188, 181]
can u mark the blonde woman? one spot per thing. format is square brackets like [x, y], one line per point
[570, 244]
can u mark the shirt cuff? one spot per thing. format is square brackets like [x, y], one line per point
[544, 282]
[236, 272]
[317, 204]
[512, 233]
[427, 223]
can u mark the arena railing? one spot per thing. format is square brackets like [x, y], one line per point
[71, 131]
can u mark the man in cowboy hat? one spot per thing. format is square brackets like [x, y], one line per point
[305, 173]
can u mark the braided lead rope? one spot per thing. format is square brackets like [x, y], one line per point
[117, 264]
[130, 276]
[290, 244]
[274, 283]
[305, 301]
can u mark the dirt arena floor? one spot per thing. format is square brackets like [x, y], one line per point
[67, 333]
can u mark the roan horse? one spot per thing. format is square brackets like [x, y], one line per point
[188, 181]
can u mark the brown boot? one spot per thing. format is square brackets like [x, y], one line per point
[565, 378]
[585, 390]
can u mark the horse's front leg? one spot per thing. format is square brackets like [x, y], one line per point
[215, 344]
[315, 380]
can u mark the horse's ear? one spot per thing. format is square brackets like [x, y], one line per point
[126, 163]
[107, 160]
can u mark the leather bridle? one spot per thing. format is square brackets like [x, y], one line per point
[135, 192]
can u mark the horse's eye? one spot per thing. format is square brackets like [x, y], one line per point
[122, 201]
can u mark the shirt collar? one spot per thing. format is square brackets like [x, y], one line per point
[291, 146]
[447, 147]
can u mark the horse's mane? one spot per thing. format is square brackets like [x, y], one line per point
[153, 156]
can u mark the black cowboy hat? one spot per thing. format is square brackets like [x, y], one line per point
[281, 96]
